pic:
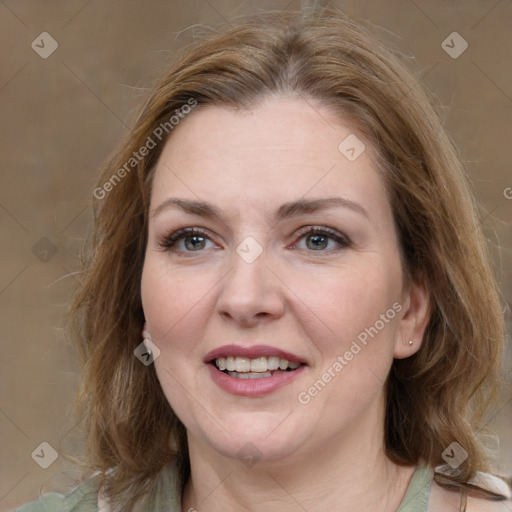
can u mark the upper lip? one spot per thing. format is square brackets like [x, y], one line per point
[251, 352]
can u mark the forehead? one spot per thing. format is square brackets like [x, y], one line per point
[280, 150]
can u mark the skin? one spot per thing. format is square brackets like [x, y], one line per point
[327, 454]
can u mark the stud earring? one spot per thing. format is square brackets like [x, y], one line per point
[146, 339]
[410, 342]
[147, 345]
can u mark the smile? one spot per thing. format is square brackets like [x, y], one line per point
[258, 368]
[253, 371]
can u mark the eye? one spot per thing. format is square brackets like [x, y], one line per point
[185, 240]
[319, 239]
[316, 238]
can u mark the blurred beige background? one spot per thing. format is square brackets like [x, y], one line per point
[62, 115]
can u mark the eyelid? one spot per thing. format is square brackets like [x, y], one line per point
[340, 238]
[166, 242]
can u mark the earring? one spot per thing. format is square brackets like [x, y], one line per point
[146, 339]
[410, 342]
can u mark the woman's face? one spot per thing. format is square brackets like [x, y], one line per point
[295, 264]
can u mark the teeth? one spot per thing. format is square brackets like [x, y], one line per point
[242, 364]
[254, 375]
[230, 364]
[259, 365]
[273, 363]
[250, 375]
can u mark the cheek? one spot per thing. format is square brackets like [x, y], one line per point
[344, 303]
[356, 311]
[174, 305]
[175, 309]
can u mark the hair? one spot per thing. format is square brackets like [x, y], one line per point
[438, 395]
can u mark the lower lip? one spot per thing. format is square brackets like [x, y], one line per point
[253, 387]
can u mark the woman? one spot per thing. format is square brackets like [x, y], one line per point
[282, 304]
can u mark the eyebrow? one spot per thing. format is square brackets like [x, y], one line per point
[285, 211]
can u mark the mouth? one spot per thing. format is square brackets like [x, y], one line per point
[253, 371]
[257, 368]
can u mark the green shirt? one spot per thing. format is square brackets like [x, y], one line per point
[164, 496]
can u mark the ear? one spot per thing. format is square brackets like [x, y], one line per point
[414, 320]
[145, 332]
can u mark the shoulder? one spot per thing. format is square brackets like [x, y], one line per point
[488, 492]
[46, 503]
[165, 496]
[84, 498]
[483, 505]
[482, 493]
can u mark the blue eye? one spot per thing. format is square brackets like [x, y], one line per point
[317, 239]
[194, 240]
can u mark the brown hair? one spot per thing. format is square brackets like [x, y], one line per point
[435, 397]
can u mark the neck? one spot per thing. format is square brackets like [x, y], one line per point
[351, 472]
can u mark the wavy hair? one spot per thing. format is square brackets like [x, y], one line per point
[437, 396]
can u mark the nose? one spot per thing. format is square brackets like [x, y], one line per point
[251, 293]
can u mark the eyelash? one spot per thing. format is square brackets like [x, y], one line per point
[169, 241]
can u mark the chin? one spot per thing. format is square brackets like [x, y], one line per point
[262, 436]
[262, 451]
